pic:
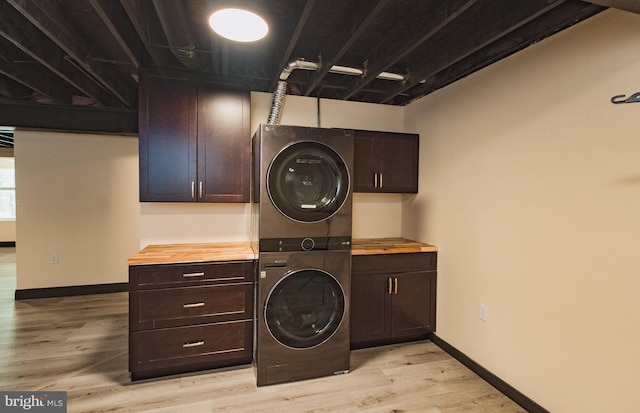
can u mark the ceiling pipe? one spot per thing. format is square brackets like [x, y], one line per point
[175, 24]
[279, 94]
[343, 70]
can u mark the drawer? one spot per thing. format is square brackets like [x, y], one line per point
[194, 345]
[173, 307]
[394, 263]
[175, 275]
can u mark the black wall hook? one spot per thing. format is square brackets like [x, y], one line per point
[621, 98]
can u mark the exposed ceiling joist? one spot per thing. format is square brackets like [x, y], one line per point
[26, 37]
[66, 53]
[409, 39]
[506, 46]
[177, 30]
[52, 21]
[352, 25]
[120, 27]
[140, 16]
[12, 90]
[28, 73]
[628, 5]
[497, 18]
[293, 38]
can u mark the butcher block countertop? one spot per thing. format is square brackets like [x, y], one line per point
[240, 251]
[374, 246]
[183, 253]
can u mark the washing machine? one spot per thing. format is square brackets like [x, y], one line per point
[302, 198]
[302, 315]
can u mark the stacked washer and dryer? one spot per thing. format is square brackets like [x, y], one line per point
[302, 224]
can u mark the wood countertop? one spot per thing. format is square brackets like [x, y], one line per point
[240, 251]
[373, 246]
[203, 252]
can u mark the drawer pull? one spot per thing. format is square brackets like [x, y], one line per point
[193, 274]
[192, 305]
[193, 344]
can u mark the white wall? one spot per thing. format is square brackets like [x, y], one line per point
[77, 197]
[530, 186]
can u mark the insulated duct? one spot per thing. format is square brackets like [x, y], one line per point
[175, 24]
[279, 94]
[278, 103]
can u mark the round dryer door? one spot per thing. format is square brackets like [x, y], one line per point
[308, 181]
[305, 308]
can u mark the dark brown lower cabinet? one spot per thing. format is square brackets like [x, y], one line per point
[393, 298]
[189, 317]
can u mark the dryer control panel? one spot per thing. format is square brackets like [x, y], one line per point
[305, 244]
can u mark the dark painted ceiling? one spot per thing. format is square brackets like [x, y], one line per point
[57, 56]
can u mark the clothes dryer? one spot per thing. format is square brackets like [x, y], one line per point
[302, 188]
[302, 315]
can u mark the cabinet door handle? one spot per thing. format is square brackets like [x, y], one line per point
[380, 180]
[192, 305]
[193, 189]
[193, 344]
[395, 285]
[375, 180]
[200, 190]
[389, 285]
[193, 274]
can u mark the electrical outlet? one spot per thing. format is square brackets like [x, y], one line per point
[484, 312]
[53, 259]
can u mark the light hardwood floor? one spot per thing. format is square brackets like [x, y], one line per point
[79, 345]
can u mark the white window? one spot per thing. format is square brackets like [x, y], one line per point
[7, 189]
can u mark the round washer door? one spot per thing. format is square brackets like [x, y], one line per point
[304, 308]
[308, 181]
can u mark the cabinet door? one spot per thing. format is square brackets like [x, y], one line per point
[413, 310]
[385, 162]
[365, 163]
[370, 307]
[167, 136]
[224, 145]
[398, 163]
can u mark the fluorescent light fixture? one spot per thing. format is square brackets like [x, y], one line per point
[238, 25]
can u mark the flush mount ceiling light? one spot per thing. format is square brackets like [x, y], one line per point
[238, 25]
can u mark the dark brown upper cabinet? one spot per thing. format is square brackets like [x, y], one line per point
[224, 144]
[195, 142]
[385, 162]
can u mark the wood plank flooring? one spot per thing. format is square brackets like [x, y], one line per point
[79, 345]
